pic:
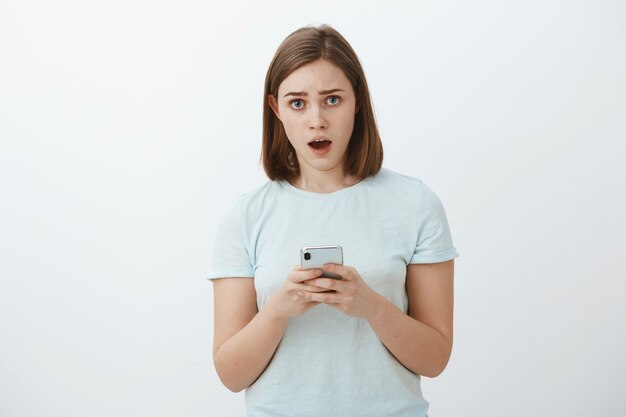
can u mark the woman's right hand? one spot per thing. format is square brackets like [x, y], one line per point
[287, 302]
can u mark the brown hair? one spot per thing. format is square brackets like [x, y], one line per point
[364, 155]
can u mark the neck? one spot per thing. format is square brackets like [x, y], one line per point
[323, 181]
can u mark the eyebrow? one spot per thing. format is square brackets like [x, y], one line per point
[302, 93]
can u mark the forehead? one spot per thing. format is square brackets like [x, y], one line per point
[314, 77]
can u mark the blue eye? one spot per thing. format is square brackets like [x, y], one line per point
[298, 104]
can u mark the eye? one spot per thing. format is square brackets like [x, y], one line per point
[296, 104]
[333, 100]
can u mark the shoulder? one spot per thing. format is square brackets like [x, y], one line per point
[253, 200]
[394, 182]
[390, 177]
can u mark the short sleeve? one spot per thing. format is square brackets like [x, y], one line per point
[230, 254]
[434, 240]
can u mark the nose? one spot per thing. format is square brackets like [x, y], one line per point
[317, 119]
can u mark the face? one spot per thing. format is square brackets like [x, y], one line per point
[316, 105]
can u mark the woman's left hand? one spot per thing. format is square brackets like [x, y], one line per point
[351, 295]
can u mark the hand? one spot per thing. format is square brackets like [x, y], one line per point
[287, 302]
[352, 295]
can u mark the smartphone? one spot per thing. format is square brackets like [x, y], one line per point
[316, 256]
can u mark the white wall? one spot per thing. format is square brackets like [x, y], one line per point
[127, 126]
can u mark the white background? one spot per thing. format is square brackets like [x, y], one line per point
[127, 126]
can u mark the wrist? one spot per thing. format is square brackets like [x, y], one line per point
[271, 310]
[377, 307]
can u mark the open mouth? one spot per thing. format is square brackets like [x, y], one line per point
[320, 146]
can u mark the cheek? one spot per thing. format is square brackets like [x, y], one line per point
[290, 119]
[292, 131]
[347, 120]
[286, 122]
[292, 128]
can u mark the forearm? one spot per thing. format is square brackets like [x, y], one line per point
[243, 357]
[419, 347]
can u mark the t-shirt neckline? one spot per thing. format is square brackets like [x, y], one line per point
[325, 196]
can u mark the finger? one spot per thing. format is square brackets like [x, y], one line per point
[299, 276]
[311, 288]
[344, 271]
[328, 283]
[324, 297]
[305, 300]
[308, 274]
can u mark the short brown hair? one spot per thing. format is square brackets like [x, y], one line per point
[364, 155]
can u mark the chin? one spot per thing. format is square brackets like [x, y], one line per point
[329, 166]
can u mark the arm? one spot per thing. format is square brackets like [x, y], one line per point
[244, 338]
[421, 340]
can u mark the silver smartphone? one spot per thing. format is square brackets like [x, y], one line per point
[316, 256]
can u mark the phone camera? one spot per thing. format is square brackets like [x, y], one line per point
[307, 256]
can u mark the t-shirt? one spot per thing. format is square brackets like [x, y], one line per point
[329, 363]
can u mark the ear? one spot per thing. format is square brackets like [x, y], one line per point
[274, 105]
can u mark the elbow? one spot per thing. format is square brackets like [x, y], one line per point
[234, 389]
[439, 365]
[226, 378]
[229, 384]
[435, 372]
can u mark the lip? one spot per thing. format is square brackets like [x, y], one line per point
[323, 151]
[320, 138]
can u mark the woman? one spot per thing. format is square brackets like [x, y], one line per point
[301, 344]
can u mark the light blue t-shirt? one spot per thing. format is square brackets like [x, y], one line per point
[329, 363]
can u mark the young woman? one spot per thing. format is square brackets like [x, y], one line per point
[301, 344]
